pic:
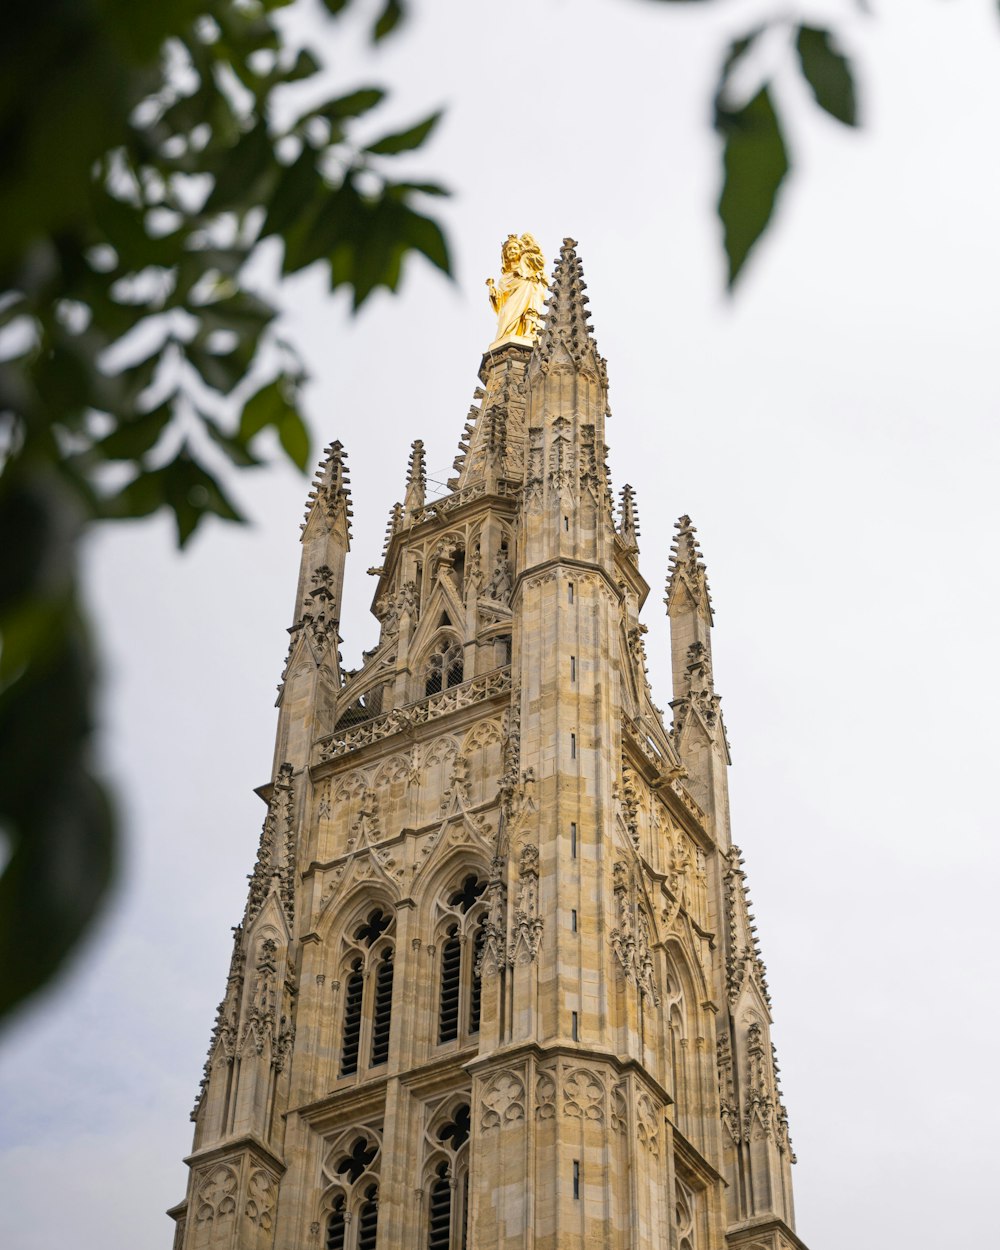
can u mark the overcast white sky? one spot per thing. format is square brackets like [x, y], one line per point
[833, 434]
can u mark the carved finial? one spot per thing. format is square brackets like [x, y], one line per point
[687, 571]
[566, 315]
[628, 524]
[331, 488]
[416, 480]
[518, 296]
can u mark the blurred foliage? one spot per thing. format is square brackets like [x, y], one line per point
[755, 157]
[144, 163]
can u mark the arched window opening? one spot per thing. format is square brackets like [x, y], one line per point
[353, 995]
[451, 967]
[476, 989]
[336, 1228]
[439, 1227]
[382, 1016]
[445, 668]
[368, 1219]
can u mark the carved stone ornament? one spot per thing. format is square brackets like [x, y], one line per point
[528, 924]
[502, 1101]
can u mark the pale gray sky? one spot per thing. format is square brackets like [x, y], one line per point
[833, 434]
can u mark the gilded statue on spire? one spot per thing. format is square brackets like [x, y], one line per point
[519, 295]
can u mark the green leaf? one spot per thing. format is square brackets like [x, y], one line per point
[293, 193]
[132, 439]
[271, 406]
[234, 447]
[387, 21]
[755, 163]
[426, 236]
[241, 170]
[305, 66]
[828, 73]
[193, 493]
[220, 370]
[354, 104]
[404, 140]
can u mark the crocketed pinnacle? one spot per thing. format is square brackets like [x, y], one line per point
[628, 523]
[687, 570]
[331, 488]
[416, 479]
[566, 315]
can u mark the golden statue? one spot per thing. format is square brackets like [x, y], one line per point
[519, 296]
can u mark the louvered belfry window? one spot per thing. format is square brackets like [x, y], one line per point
[439, 1231]
[335, 1227]
[368, 1219]
[451, 969]
[353, 996]
[382, 1015]
[476, 989]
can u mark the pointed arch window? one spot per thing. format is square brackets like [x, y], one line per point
[352, 1223]
[445, 667]
[366, 1029]
[461, 986]
[448, 1191]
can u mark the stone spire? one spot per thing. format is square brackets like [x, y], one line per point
[566, 316]
[313, 663]
[331, 491]
[687, 578]
[628, 522]
[698, 732]
[416, 480]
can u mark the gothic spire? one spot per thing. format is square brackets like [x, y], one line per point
[566, 315]
[687, 572]
[628, 522]
[416, 480]
[331, 490]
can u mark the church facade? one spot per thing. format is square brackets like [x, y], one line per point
[497, 985]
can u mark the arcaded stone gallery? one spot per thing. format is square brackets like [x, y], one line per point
[497, 984]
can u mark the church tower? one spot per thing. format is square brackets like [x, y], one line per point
[497, 985]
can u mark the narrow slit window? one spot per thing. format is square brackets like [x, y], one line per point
[382, 1020]
[566, 524]
[353, 994]
[451, 965]
[572, 668]
[575, 1025]
[572, 922]
[368, 1220]
[572, 839]
[476, 993]
[336, 1229]
[439, 1233]
[571, 592]
[576, 1178]
[572, 746]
